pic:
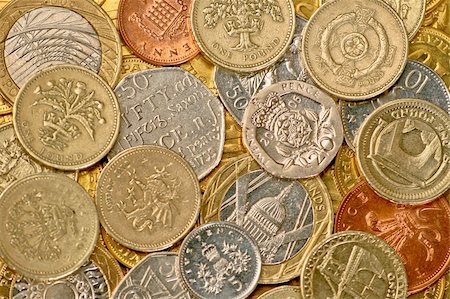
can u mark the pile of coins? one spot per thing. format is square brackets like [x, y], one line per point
[224, 149]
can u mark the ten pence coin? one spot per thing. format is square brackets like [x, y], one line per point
[148, 198]
[355, 49]
[67, 117]
[44, 235]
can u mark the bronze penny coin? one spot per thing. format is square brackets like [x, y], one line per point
[158, 31]
[419, 233]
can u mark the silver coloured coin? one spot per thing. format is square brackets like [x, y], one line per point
[49, 36]
[277, 213]
[292, 129]
[418, 81]
[219, 260]
[236, 89]
[171, 108]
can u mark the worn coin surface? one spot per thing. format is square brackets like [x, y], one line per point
[420, 234]
[353, 264]
[38, 35]
[243, 36]
[45, 235]
[292, 129]
[285, 292]
[148, 198]
[236, 89]
[171, 108]
[418, 81]
[403, 149]
[67, 117]
[346, 170]
[355, 49]
[154, 277]
[219, 260]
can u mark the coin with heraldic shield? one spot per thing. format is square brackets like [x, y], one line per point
[148, 198]
[246, 35]
[68, 117]
[219, 260]
[43, 234]
[355, 49]
[171, 108]
[292, 129]
[403, 149]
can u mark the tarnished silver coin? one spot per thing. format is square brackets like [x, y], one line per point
[292, 129]
[236, 89]
[277, 213]
[154, 277]
[219, 260]
[171, 108]
[418, 81]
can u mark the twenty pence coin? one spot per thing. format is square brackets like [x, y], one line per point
[56, 247]
[285, 292]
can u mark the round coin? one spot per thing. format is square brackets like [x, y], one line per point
[243, 36]
[38, 35]
[127, 257]
[67, 117]
[109, 267]
[353, 264]
[148, 198]
[355, 49]
[158, 31]
[44, 235]
[346, 170]
[292, 129]
[7, 276]
[285, 292]
[219, 260]
[403, 149]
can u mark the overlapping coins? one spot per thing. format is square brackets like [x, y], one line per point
[224, 149]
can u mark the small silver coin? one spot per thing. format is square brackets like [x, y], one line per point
[169, 107]
[154, 277]
[236, 89]
[219, 260]
[418, 81]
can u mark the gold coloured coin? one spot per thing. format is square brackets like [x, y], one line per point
[285, 292]
[346, 170]
[403, 149]
[243, 36]
[108, 266]
[68, 117]
[45, 235]
[435, 291]
[329, 179]
[148, 198]
[7, 276]
[355, 49]
[127, 257]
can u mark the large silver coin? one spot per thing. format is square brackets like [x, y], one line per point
[236, 90]
[219, 260]
[154, 277]
[418, 81]
[171, 108]
[292, 129]
[277, 213]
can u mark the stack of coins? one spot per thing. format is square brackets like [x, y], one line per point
[224, 149]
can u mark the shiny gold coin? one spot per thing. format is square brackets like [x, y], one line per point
[355, 49]
[127, 257]
[88, 178]
[48, 226]
[148, 198]
[243, 36]
[447, 286]
[5, 107]
[306, 8]
[7, 118]
[403, 149]
[346, 170]
[132, 64]
[69, 117]
[108, 266]
[431, 5]
[329, 179]
[285, 292]
[7, 276]
[201, 68]
[435, 291]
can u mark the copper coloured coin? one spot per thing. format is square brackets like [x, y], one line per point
[158, 31]
[419, 233]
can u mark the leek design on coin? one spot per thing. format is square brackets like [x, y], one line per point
[277, 213]
[292, 129]
[171, 108]
[219, 260]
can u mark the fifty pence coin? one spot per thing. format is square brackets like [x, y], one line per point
[353, 264]
[154, 277]
[355, 49]
[148, 198]
[403, 151]
[292, 129]
[171, 108]
[236, 89]
[418, 81]
[44, 235]
[219, 260]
